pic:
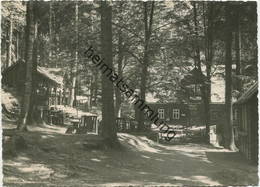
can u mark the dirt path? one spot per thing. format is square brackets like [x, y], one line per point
[56, 159]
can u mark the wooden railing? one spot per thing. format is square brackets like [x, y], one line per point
[126, 125]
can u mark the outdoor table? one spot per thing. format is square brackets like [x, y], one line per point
[75, 123]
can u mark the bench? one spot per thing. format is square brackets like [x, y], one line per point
[83, 125]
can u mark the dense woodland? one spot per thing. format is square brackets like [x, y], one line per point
[191, 65]
[150, 44]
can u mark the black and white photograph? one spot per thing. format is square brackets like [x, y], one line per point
[129, 93]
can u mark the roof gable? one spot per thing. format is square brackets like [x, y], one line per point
[43, 72]
[248, 94]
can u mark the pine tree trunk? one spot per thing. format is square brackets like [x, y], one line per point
[73, 91]
[17, 45]
[22, 44]
[197, 47]
[228, 134]
[237, 48]
[108, 114]
[31, 115]
[6, 49]
[9, 56]
[3, 51]
[205, 87]
[209, 36]
[70, 100]
[74, 74]
[143, 91]
[93, 80]
[120, 74]
[95, 88]
[147, 35]
[54, 39]
[50, 33]
[90, 93]
[208, 26]
[22, 123]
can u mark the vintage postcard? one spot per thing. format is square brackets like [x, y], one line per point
[129, 93]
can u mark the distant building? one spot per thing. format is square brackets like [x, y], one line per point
[187, 114]
[191, 112]
[174, 113]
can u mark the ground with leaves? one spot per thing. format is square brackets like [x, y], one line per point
[53, 158]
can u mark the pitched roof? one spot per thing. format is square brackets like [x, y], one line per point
[195, 76]
[45, 73]
[248, 94]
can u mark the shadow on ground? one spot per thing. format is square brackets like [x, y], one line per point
[53, 158]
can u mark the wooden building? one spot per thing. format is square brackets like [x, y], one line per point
[246, 123]
[188, 114]
[48, 87]
[175, 113]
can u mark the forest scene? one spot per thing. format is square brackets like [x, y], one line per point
[129, 93]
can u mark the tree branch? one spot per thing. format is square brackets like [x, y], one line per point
[117, 25]
[133, 55]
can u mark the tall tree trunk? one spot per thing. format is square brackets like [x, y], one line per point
[6, 49]
[237, 48]
[92, 77]
[205, 87]
[3, 51]
[22, 123]
[228, 134]
[120, 74]
[71, 66]
[31, 115]
[94, 74]
[9, 56]
[147, 34]
[23, 43]
[208, 27]
[95, 88]
[73, 91]
[54, 39]
[17, 45]
[197, 47]
[90, 93]
[50, 33]
[74, 74]
[41, 45]
[108, 113]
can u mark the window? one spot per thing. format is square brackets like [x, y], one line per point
[161, 113]
[176, 113]
[195, 90]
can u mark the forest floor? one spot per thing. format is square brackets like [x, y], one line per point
[53, 158]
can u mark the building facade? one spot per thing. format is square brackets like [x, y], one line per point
[188, 114]
[48, 87]
[246, 123]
